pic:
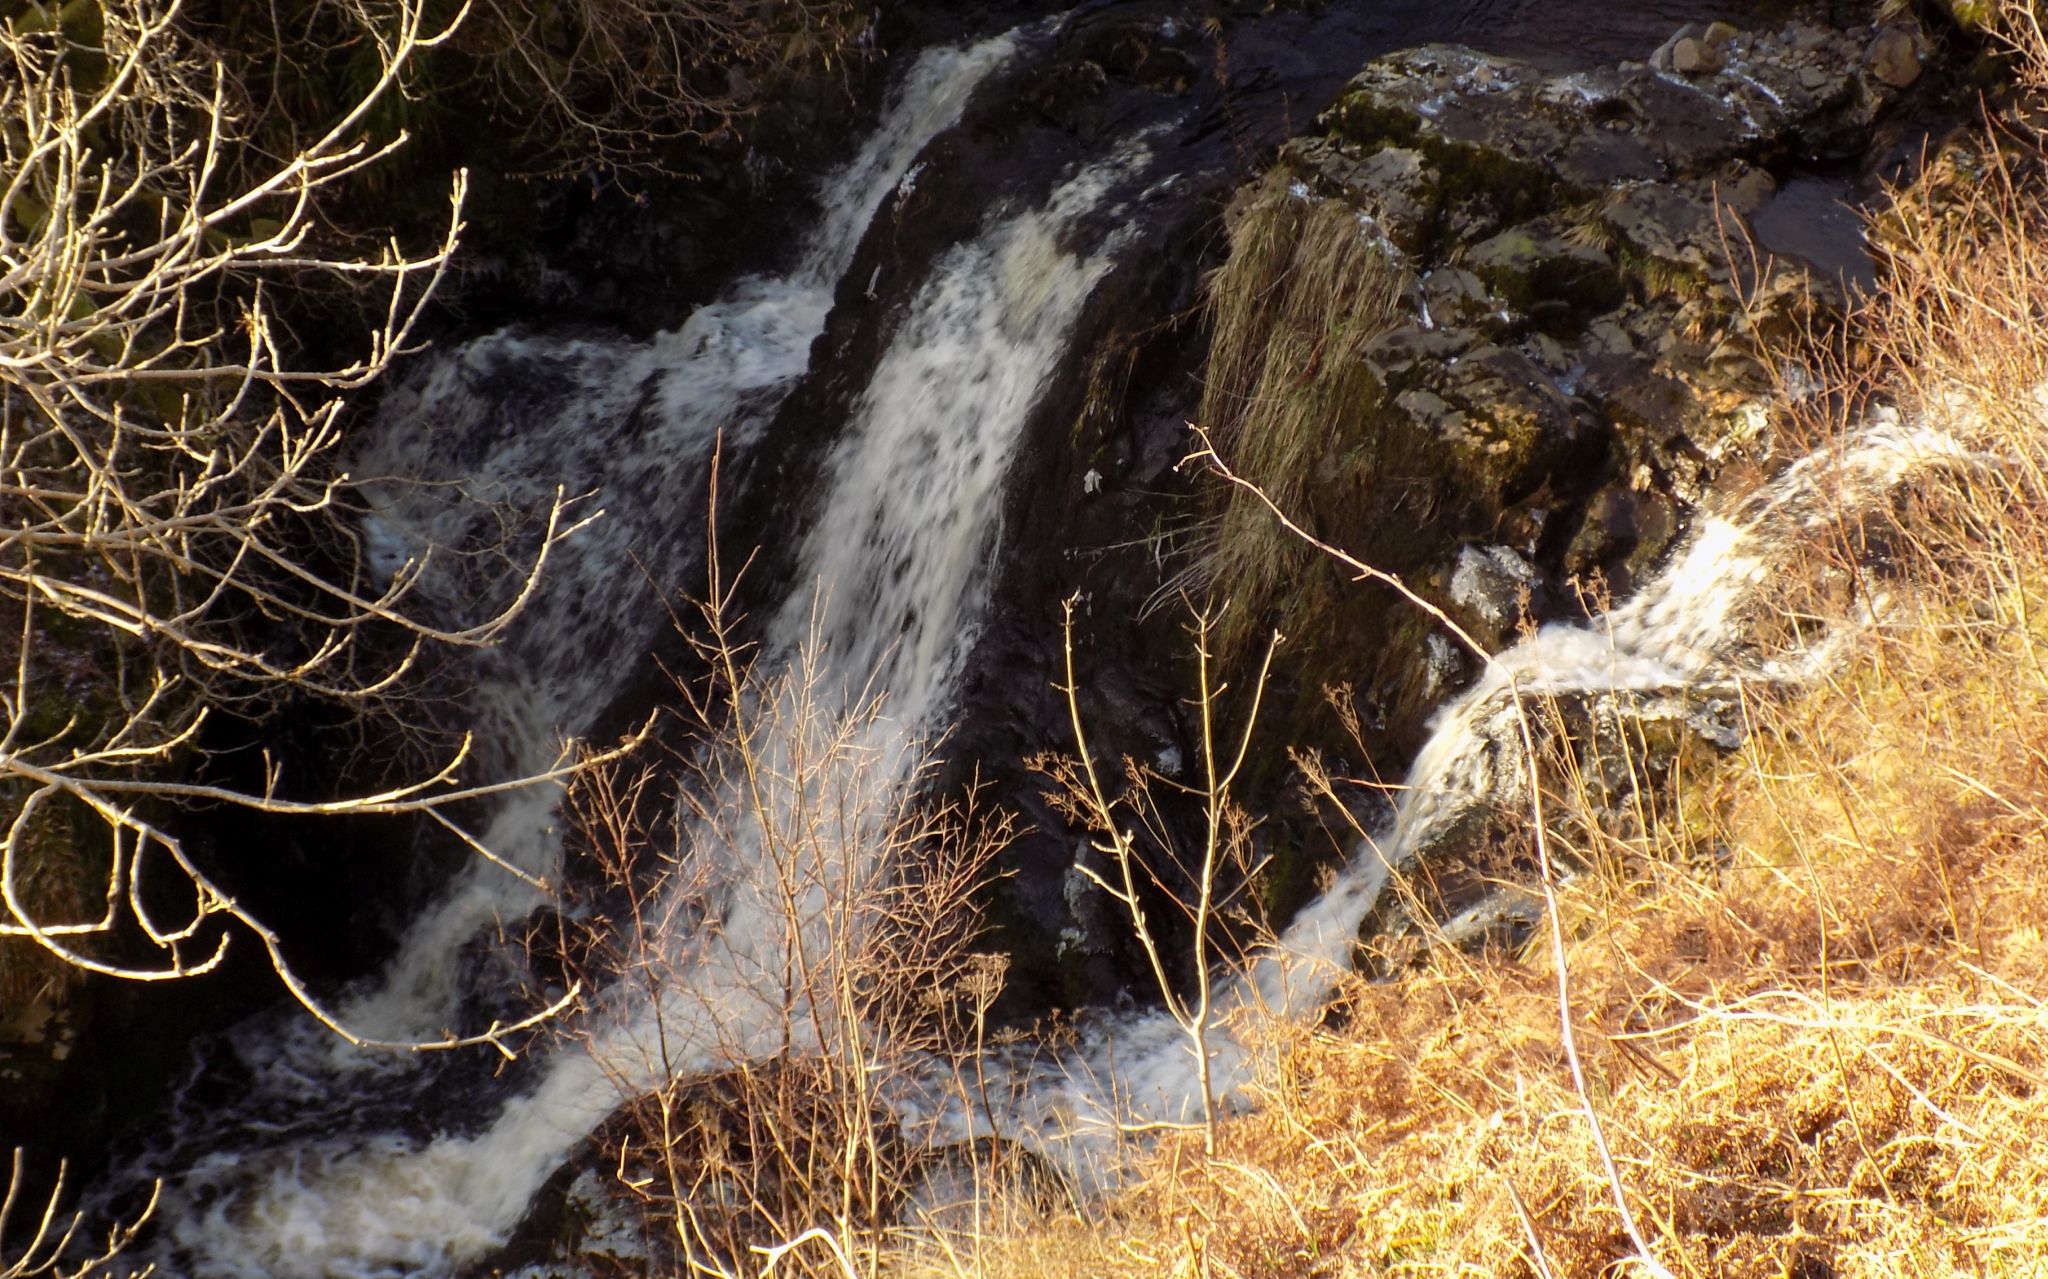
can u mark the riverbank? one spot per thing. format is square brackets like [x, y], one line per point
[1802, 977]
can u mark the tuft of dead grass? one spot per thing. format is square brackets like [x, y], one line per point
[1307, 286]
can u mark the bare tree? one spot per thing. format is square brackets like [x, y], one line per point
[1132, 832]
[171, 494]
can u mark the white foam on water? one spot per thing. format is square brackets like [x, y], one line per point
[633, 424]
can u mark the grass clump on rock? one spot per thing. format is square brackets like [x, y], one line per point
[1289, 398]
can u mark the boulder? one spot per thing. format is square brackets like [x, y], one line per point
[1536, 263]
[1395, 185]
[1576, 363]
[1455, 299]
[1661, 59]
[1490, 423]
[1494, 590]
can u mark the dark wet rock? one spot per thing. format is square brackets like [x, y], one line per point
[38, 1034]
[1403, 357]
[1618, 539]
[1489, 423]
[1457, 301]
[1448, 146]
[1578, 364]
[1396, 183]
[1818, 221]
[1494, 589]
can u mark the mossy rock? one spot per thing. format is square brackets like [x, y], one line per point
[1410, 355]
[1489, 423]
[1362, 115]
[1456, 300]
[1671, 240]
[1535, 263]
[1396, 185]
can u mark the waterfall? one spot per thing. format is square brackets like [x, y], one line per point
[893, 578]
[323, 1169]
[497, 424]
[1682, 632]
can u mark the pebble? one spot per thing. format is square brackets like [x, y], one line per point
[1893, 59]
[1661, 59]
[1693, 56]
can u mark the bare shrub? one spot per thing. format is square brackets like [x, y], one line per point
[615, 84]
[40, 1253]
[795, 931]
[1210, 883]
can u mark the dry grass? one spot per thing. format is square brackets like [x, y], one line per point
[1308, 285]
[1808, 984]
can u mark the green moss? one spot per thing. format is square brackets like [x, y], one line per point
[1362, 116]
[1973, 15]
[1515, 188]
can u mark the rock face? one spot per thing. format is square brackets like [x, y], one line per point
[1574, 364]
[1567, 370]
[1577, 364]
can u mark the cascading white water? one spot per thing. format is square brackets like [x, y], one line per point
[1680, 633]
[633, 424]
[492, 427]
[899, 554]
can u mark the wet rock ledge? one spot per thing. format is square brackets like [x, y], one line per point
[1593, 260]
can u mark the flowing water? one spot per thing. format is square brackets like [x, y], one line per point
[892, 577]
[500, 423]
[321, 1168]
[1684, 632]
